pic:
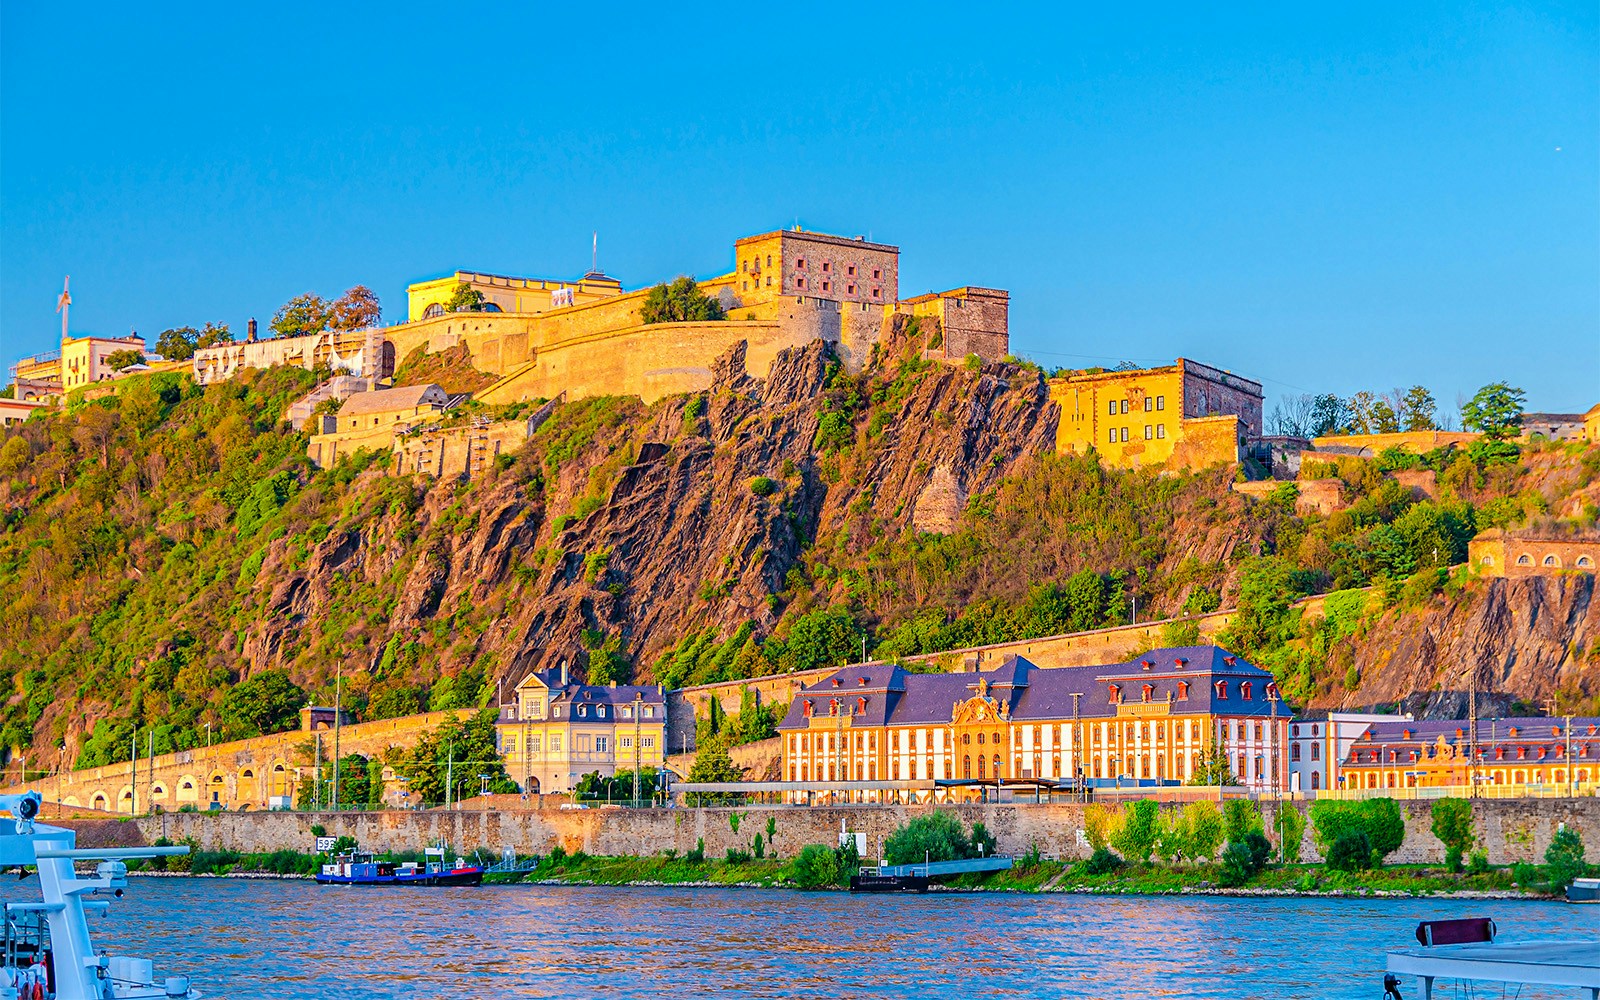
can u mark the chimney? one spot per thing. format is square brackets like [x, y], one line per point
[250, 334]
[563, 673]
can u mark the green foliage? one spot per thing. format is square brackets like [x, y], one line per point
[1377, 821]
[265, 498]
[816, 639]
[762, 486]
[464, 298]
[1103, 861]
[451, 756]
[1266, 617]
[269, 702]
[1214, 768]
[679, 302]
[697, 855]
[303, 314]
[1238, 864]
[118, 360]
[1351, 850]
[1452, 824]
[1240, 817]
[1290, 827]
[712, 763]
[1495, 411]
[938, 836]
[1564, 860]
[1141, 826]
[816, 867]
[1206, 826]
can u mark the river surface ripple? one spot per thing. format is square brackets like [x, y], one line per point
[247, 939]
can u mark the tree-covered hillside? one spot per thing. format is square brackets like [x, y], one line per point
[171, 559]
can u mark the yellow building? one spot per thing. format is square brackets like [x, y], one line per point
[81, 361]
[1591, 423]
[557, 731]
[1515, 756]
[1154, 721]
[372, 420]
[1185, 414]
[505, 294]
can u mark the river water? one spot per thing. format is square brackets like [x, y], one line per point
[247, 939]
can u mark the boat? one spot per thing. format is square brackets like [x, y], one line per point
[364, 868]
[1466, 950]
[47, 951]
[868, 880]
[1584, 890]
[916, 878]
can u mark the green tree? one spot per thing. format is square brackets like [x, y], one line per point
[269, 702]
[1141, 827]
[178, 343]
[1564, 860]
[1417, 409]
[1371, 414]
[213, 334]
[452, 756]
[1266, 619]
[301, 315]
[1290, 827]
[1452, 824]
[1378, 822]
[816, 867]
[356, 309]
[1206, 829]
[464, 299]
[679, 302]
[1495, 411]
[1329, 415]
[936, 837]
[1214, 768]
[118, 360]
[1241, 817]
[713, 764]
[14, 455]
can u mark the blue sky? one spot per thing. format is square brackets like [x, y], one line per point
[1328, 198]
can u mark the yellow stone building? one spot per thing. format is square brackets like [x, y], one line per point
[556, 731]
[1185, 414]
[1149, 722]
[1506, 756]
[81, 361]
[371, 420]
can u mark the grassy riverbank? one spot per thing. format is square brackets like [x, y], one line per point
[1052, 876]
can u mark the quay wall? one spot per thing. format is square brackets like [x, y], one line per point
[1510, 830]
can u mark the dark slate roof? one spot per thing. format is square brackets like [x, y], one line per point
[894, 696]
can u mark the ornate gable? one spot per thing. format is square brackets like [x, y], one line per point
[979, 708]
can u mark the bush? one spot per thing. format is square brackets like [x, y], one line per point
[1564, 860]
[737, 857]
[1352, 851]
[1478, 864]
[1378, 820]
[1239, 817]
[1141, 825]
[1452, 824]
[1525, 875]
[935, 837]
[1238, 864]
[697, 855]
[816, 866]
[762, 486]
[1260, 849]
[1103, 861]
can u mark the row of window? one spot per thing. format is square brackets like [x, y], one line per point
[902, 741]
[1115, 406]
[601, 743]
[1246, 766]
[827, 286]
[1116, 434]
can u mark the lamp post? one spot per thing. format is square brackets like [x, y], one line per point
[338, 713]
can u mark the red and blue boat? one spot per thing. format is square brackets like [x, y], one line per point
[364, 868]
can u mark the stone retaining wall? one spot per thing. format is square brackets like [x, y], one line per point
[1514, 830]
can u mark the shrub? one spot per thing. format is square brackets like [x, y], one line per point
[1141, 825]
[816, 866]
[1478, 864]
[1452, 824]
[1238, 864]
[1205, 828]
[737, 857]
[1378, 820]
[1260, 849]
[935, 837]
[1563, 859]
[761, 486]
[1525, 875]
[1103, 861]
[698, 854]
[1291, 829]
[1352, 851]
[1239, 817]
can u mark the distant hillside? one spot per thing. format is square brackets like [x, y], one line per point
[164, 547]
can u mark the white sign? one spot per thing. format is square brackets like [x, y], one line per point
[326, 844]
[560, 297]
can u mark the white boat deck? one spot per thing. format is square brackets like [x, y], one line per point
[1542, 963]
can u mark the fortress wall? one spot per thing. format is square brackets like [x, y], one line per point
[1511, 829]
[244, 773]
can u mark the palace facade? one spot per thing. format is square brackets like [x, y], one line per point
[556, 731]
[1515, 756]
[1154, 720]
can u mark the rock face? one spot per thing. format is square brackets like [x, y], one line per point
[1526, 640]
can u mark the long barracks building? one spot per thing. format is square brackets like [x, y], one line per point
[1153, 720]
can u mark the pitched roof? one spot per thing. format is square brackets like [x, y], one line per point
[404, 397]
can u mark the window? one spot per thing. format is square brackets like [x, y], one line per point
[1148, 403]
[769, 281]
[801, 263]
[1123, 434]
[799, 282]
[826, 285]
[1524, 560]
[600, 744]
[1294, 751]
[601, 711]
[1111, 436]
[555, 744]
[1111, 408]
[769, 260]
[850, 289]
[1552, 561]
[648, 742]
[1245, 690]
[1316, 751]
[627, 743]
[876, 293]
[1149, 432]
[980, 739]
[851, 270]
[827, 266]
[649, 711]
[533, 744]
[1183, 690]
[1222, 690]
[1161, 431]
[876, 274]
[1161, 402]
[1584, 561]
[1123, 407]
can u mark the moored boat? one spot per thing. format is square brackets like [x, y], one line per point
[364, 868]
[1584, 890]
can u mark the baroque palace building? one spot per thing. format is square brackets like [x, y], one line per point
[1151, 721]
[1509, 756]
[556, 731]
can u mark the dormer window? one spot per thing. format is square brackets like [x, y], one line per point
[1245, 691]
[583, 711]
[1222, 690]
[805, 709]
[1230, 660]
[1180, 662]
[1513, 732]
[601, 711]
[861, 705]
[1146, 692]
[1116, 694]
[1145, 664]
[837, 682]
[862, 681]
[1183, 690]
